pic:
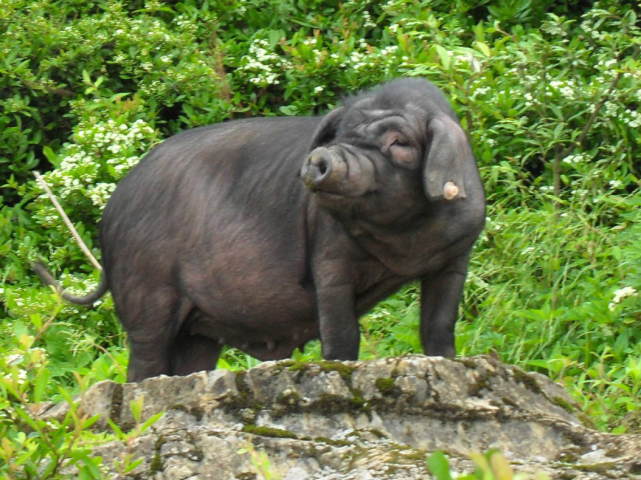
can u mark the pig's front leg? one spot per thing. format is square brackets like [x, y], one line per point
[440, 298]
[339, 330]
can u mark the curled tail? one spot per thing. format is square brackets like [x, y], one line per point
[48, 279]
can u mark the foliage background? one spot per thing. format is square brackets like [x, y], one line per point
[548, 91]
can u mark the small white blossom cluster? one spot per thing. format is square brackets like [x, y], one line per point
[594, 33]
[107, 134]
[367, 20]
[390, 50]
[468, 56]
[182, 21]
[620, 295]
[152, 5]
[632, 118]
[607, 73]
[158, 44]
[17, 362]
[480, 91]
[566, 88]
[379, 314]
[553, 29]
[117, 146]
[358, 60]
[100, 193]
[578, 158]
[155, 32]
[580, 194]
[611, 109]
[262, 65]
[607, 64]
[349, 4]
[21, 376]
[367, 57]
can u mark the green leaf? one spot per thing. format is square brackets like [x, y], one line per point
[616, 252]
[501, 467]
[133, 465]
[632, 17]
[65, 394]
[51, 156]
[444, 55]
[119, 433]
[28, 419]
[136, 407]
[40, 385]
[438, 466]
[91, 467]
[539, 363]
[559, 114]
[36, 319]
[483, 464]
[90, 421]
[151, 421]
[483, 48]
[275, 36]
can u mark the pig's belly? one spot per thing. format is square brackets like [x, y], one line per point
[267, 323]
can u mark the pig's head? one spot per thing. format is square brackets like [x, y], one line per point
[388, 154]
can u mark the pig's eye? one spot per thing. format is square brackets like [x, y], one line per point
[403, 153]
[399, 142]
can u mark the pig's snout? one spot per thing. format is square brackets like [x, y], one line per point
[317, 168]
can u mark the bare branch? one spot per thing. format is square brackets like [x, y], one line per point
[64, 216]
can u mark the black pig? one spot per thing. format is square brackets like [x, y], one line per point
[213, 239]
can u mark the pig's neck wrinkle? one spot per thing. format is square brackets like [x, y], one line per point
[410, 253]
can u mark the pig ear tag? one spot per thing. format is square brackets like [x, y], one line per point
[450, 191]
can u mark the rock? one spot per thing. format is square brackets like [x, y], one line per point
[355, 421]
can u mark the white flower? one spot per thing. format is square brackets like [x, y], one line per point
[13, 358]
[574, 158]
[620, 295]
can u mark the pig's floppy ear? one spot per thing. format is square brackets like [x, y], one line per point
[326, 131]
[445, 157]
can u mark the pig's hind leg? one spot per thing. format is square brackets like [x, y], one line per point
[194, 353]
[153, 318]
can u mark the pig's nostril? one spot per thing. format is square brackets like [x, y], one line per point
[317, 168]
